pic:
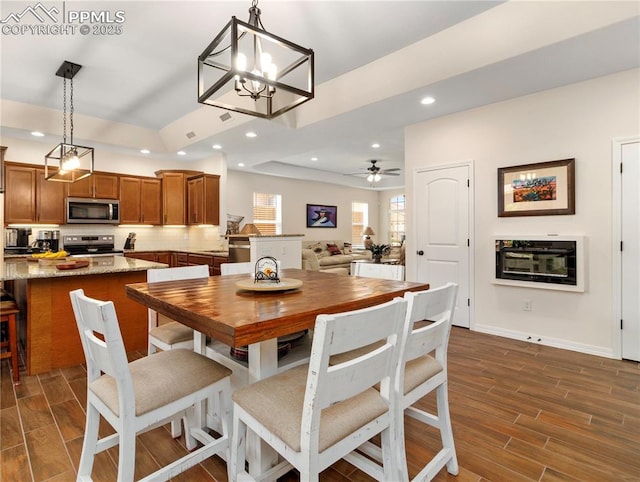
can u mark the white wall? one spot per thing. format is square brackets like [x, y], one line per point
[296, 195]
[576, 121]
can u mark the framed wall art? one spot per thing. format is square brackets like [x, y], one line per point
[320, 216]
[540, 189]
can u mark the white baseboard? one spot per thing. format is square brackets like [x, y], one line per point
[543, 340]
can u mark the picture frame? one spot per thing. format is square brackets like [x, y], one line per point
[322, 216]
[538, 189]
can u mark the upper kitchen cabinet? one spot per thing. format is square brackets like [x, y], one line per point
[29, 198]
[97, 185]
[174, 199]
[140, 200]
[203, 199]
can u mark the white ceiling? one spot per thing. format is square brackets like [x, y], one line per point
[374, 62]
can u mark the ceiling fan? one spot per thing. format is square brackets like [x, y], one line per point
[374, 173]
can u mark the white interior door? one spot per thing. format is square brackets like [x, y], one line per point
[630, 262]
[442, 216]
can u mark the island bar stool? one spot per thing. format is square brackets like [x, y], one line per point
[144, 394]
[8, 312]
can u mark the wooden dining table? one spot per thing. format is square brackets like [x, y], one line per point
[216, 307]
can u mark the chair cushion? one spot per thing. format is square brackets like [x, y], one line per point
[277, 403]
[418, 371]
[172, 332]
[162, 378]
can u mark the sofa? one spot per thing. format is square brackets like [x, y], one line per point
[330, 256]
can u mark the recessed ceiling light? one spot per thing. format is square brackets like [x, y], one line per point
[427, 100]
[314, 159]
[375, 145]
[181, 153]
[145, 151]
[251, 134]
[217, 146]
[241, 164]
[37, 134]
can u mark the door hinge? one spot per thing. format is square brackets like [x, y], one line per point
[621, 323]
[468, 183]
[468, 243]
[620, 168]
[620, 245]
[468, 301]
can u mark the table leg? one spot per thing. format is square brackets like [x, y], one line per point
[263, 363]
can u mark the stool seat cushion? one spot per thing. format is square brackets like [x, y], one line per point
[162, 378]
[278, 401]
[172, 333]
[7, 303]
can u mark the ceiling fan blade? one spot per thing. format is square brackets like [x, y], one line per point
[382, 173]
[391, 170]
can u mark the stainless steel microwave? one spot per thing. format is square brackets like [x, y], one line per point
[93, 211]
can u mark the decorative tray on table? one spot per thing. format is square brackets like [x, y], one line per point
[284, 284]
[266, 278]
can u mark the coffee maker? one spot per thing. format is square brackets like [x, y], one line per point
[17, 237]
[48, 240]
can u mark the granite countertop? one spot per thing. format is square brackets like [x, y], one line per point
[20, 268]
[263, 235]
[212, 252]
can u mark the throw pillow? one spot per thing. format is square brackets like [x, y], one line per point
[347, 248]
[333, 249]
[316, 247]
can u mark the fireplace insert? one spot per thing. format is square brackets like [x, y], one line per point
[543, 261]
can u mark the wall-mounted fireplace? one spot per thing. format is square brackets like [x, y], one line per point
[550, 262]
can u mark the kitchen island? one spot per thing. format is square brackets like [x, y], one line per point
[47, 331]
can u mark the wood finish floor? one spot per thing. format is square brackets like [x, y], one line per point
[521, 412]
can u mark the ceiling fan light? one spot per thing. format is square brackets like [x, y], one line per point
[370, 178]
[377, 177]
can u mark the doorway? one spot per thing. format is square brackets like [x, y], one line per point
[443, 220]
[626, 249]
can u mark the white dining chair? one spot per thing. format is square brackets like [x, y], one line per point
[171, 334]
[423, 368]
[166, 334]
[144, 394]
[315, 414]
[236, 268]
[378, 270]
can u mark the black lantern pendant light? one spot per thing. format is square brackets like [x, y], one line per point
[253, 71]
[68, 162]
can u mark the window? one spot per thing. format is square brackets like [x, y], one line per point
[396, 220]
[359, 221]
[267, 212]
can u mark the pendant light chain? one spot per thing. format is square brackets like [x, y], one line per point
[71, 111]
[64, 111]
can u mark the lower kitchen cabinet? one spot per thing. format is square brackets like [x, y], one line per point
[155, 256]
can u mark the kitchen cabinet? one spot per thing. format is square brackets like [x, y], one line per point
[49, 200]
[203, 199]
[29, 198]
[174, 195]
[97, 185]
[202, 259]
[155, 256]
[140, 200]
